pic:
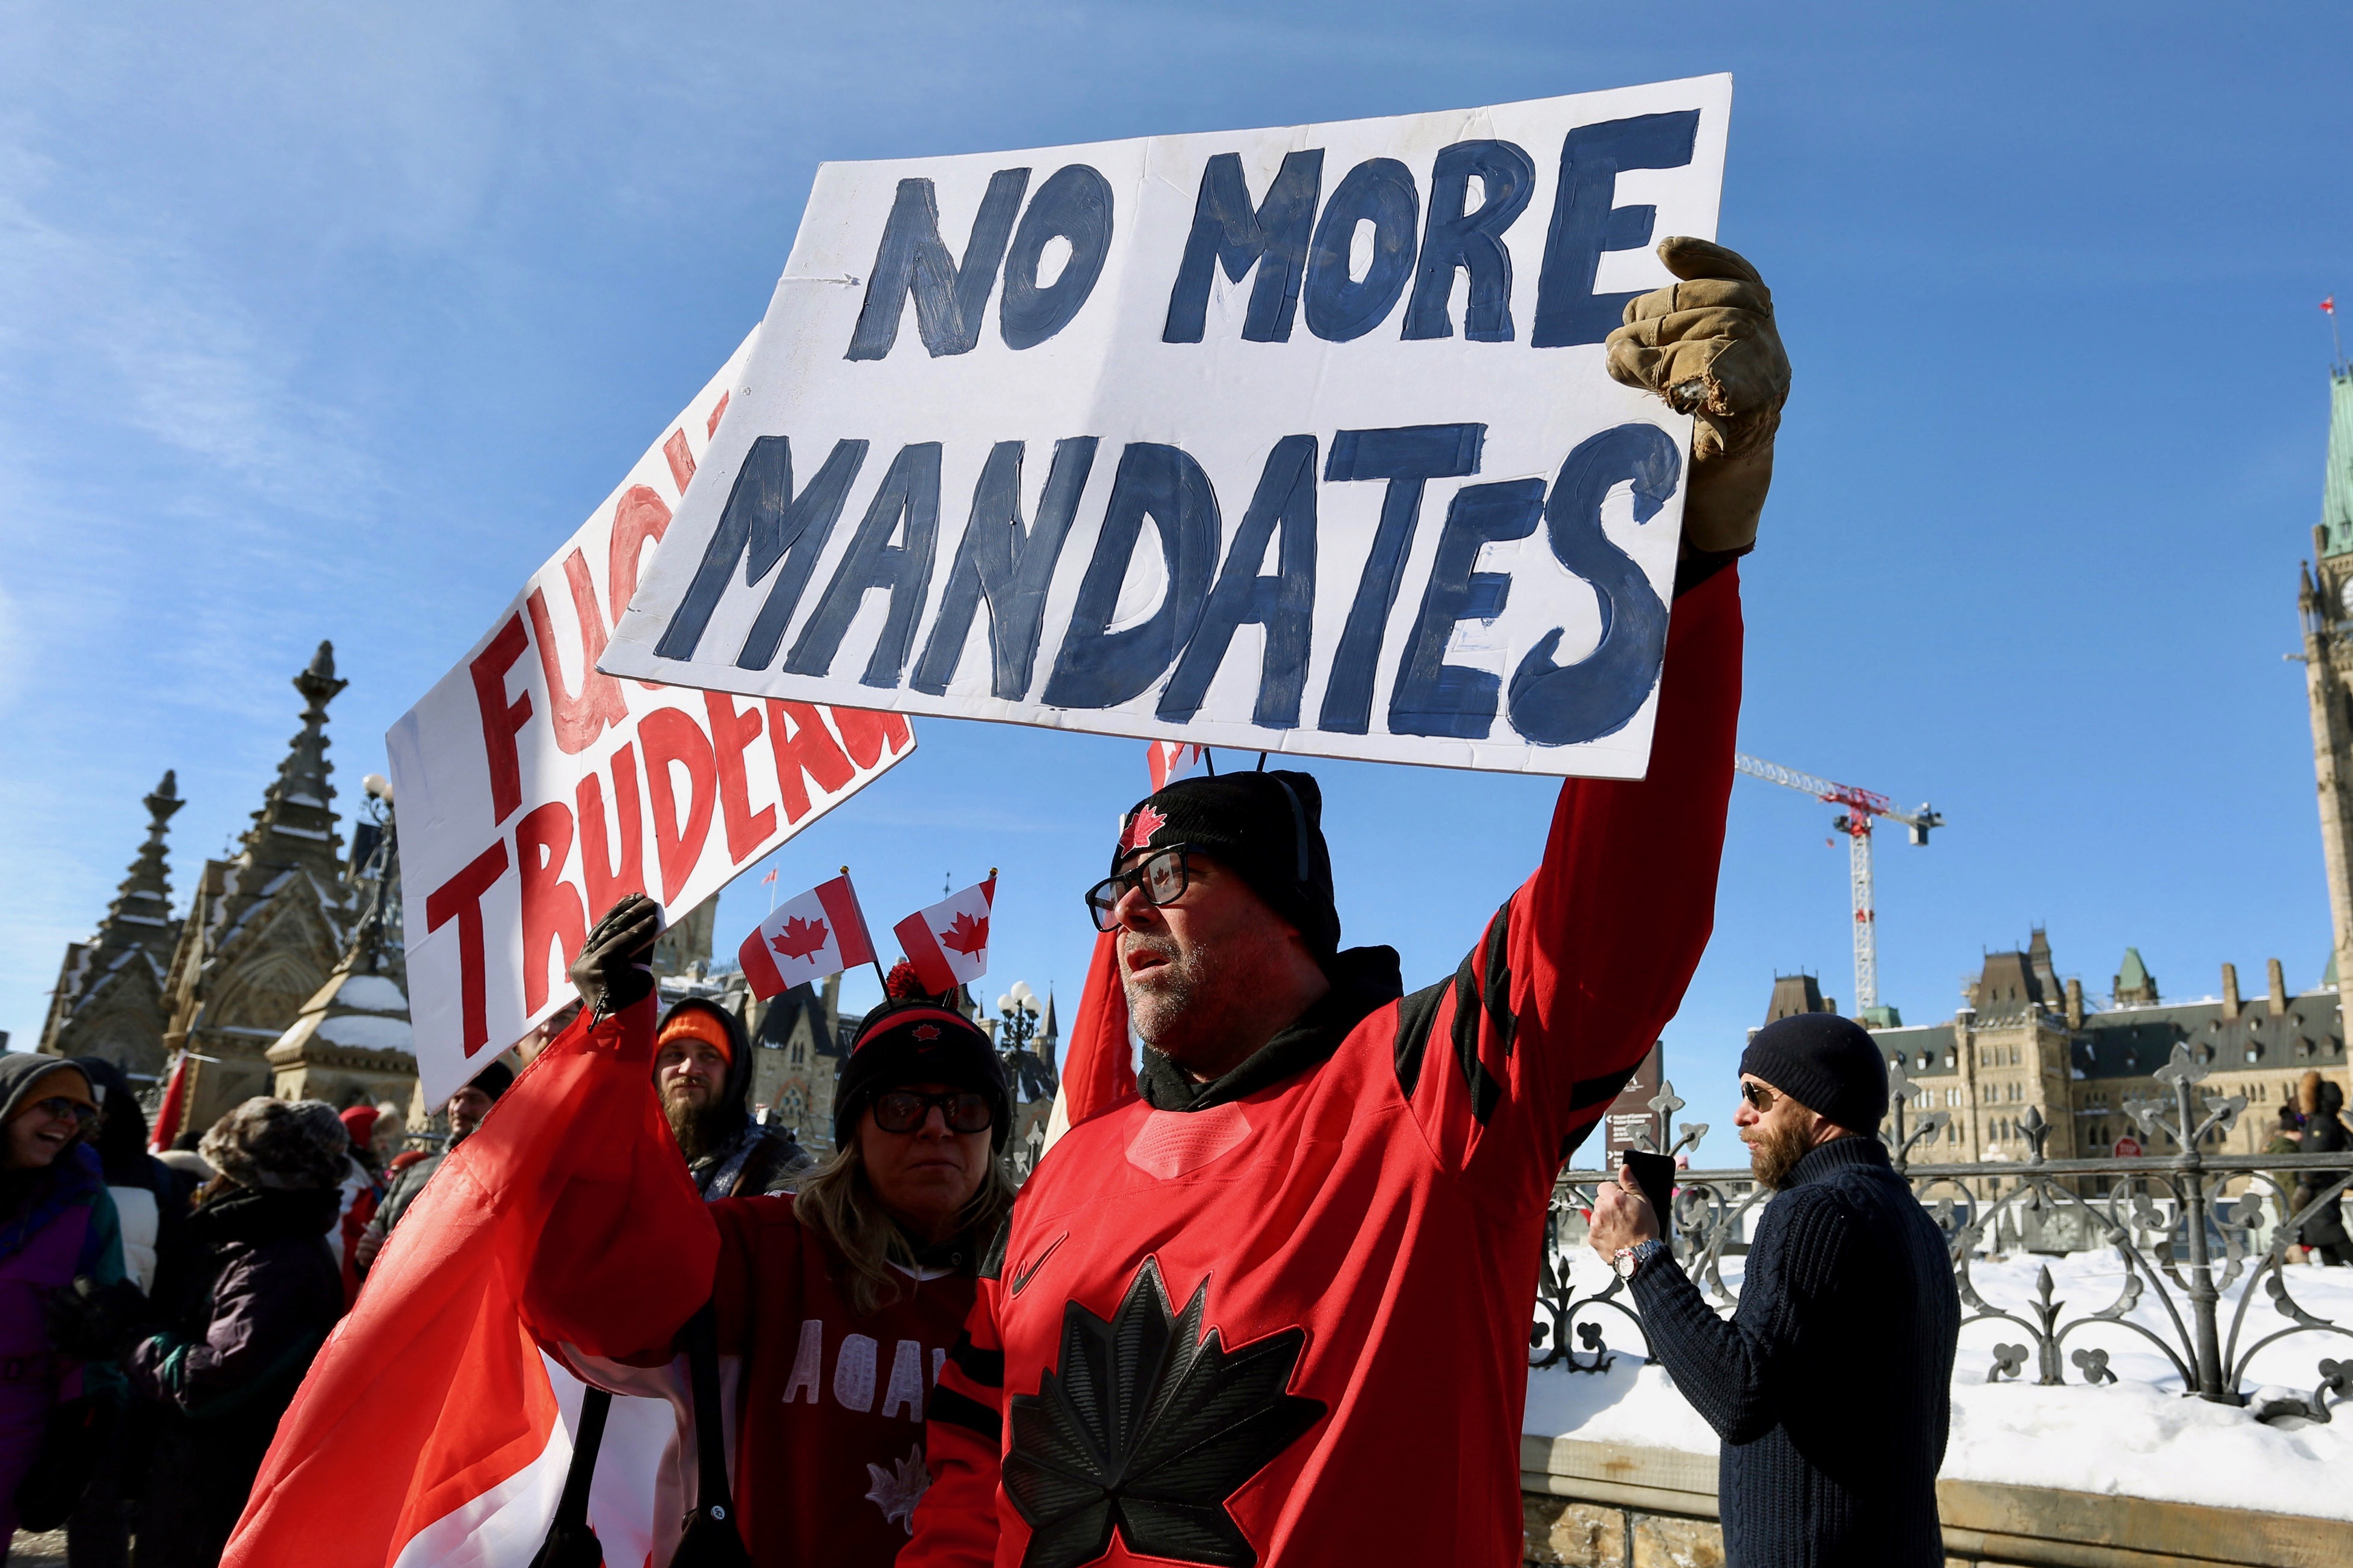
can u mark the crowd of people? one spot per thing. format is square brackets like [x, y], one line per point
[1311, 1222]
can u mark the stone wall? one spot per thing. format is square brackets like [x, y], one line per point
[1595, 1505]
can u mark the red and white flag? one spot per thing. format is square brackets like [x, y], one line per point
[1169, 761]
[2330, 304]
[948, 943]
[805, 939]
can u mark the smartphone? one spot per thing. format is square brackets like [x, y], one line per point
[1655, 1176]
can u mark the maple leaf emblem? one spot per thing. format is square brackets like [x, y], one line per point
[898, 1489]
[799, 938]
[965, 934]
[1149, 1425]
[1147, 822]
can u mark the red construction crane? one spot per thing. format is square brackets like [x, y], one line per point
[1855, 821]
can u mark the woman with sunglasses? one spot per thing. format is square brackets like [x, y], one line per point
[56, 1225]
[838, 1303]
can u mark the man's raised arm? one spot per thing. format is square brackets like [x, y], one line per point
[1578, 971]
[627, 1251]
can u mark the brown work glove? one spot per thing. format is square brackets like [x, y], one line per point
[1708, 346]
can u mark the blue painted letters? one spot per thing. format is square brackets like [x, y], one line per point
[1558, 705]
[1585, 222]
[1432, 696]
[1380, 191]
[1099, 668]
[910, 491]
[1012, 569]
[951, 297]
[1285, 604]
[1405, 457]
[1472, 242]
[765, 522]
[1227, 232]
[1075, 204]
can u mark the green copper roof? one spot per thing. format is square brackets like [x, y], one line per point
[2336, 490]
[2132, 974]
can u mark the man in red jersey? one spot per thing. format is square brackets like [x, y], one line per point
[1275, 1310]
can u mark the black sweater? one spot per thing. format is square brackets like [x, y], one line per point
[1832, 1385]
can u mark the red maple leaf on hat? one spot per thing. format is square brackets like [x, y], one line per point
[799, 938]
[967, 935]
[1140, 831]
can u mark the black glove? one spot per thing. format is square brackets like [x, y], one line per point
[611, 972]
[91, 1321]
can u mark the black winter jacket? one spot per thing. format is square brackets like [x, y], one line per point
[1832, 1385]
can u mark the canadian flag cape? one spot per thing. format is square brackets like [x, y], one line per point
[429, 1430]
[822, 932]
[948, 942]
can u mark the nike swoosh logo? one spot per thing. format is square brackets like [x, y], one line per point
[1021, 1279]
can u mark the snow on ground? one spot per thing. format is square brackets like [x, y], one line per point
[2137, 1437]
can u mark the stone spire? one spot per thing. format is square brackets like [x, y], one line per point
[140, 914]
[1048, 1032]
[296, 824]
[109, 992]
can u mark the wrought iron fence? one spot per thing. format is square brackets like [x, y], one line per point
[2184, 1225]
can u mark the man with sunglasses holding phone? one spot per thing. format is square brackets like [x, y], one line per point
[1274, 1309]
[1848, 1291]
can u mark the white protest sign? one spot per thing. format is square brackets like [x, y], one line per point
[534, 791]
[1293, 440]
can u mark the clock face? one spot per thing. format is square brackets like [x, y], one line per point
[2345, 596]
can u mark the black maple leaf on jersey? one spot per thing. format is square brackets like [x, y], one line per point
[1151, 1425]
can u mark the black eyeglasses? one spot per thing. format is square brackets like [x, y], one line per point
[1163, 877]
[1760, 1098]
[59, 1105]
[906, 1111]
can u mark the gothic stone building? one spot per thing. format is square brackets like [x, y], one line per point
[108, 999]
[2023, 1040]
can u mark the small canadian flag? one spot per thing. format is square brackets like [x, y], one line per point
[1167, 760]
[948, 943]
[805, 939]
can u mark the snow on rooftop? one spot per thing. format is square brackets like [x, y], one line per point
[371, 993]
[2137, 1437]
[367, 1032]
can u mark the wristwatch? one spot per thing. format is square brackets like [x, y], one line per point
[1629, 1261]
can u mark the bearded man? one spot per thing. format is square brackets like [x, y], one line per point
[1276, 1310]
[702, 1072]
[1831, 1387]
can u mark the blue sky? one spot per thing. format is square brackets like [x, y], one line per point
[330, 321]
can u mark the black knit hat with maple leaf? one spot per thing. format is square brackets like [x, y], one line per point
[915, 1037]
[1267, 826]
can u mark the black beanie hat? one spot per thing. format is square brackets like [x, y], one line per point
[494, 1079]
[1269, 827]
[1826, 1063]
[919, 1039]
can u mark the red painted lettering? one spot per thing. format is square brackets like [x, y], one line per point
[460, 898]
[640, 519]
[608, 876]
[804, 745]
[552, 911]
[681, 461]
[866, 734]
[717, 409]
[577, 716]
[730, 733]
[669, 737]
[502, 720]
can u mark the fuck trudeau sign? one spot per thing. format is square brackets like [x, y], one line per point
[534, 791]
[1293, 440]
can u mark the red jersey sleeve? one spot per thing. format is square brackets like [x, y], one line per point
[964, 1439]
[627, 1251]
[1511, 1061]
